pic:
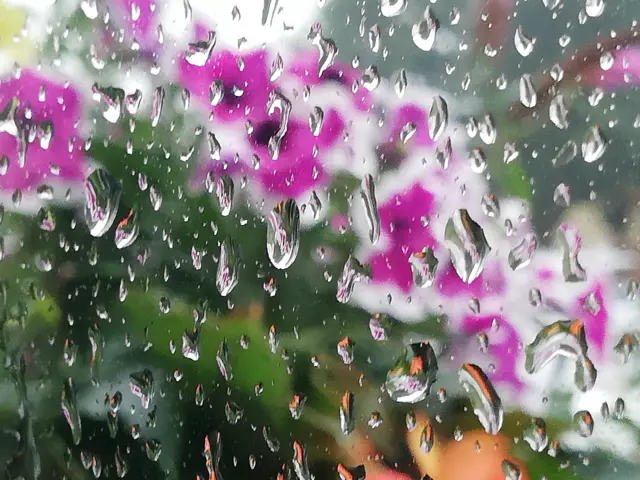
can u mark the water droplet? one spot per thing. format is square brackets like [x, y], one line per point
[558, 112]
[199, 52]
[352, 273]
[345, 350]
[224, 194]
[484, 399]
[628, 343]
[278, 101]
[584, 423]
[392, 8]
[316, 119]
[400, 84]
[562, 196]
[490, 205]
[228, 272]
[283, 234]
[142, 386]
[102, 196]
[571, 243]
[528, 95]
[467, 244]
[413, 374]
[326, 46]
[89, 8]
[300, 465]
[566, 154]
[70, 410]
[113, 99]
[368, 195]
[424, 32]
[535, 434]
[347, 416]
[511, 470]
[566, 339]
[478, 160]
[438, 117]
[424, 267]
[127, 230]
[594, 8]
[370, 78]
[520, 256]
[224, 361]
[594, 144]
[427, 438]
[524, 44]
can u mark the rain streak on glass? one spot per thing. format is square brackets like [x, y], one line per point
[70, 410]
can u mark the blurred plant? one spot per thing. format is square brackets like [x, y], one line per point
[279, 256]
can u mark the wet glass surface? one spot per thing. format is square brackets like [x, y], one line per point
[318, 239]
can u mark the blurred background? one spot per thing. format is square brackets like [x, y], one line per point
[384, 239]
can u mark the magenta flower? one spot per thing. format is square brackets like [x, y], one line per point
[38, 132]
[404, 218]
[299, 167]
[347, 78]
[235, 86]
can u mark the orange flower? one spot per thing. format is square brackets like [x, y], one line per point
[478, 455]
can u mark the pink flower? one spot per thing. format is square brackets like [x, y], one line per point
[38, 137]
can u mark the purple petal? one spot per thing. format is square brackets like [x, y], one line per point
[50, 102]
[490, 282]
[305, 67]
[252, 80]
[505, 351]
[410, 113]
[139, 18]
[402, 222]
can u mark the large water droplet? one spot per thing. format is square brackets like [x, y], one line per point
[438, 117]
[283, 233]
[424, 32]
[352, 273]
[228, 272]
[524, 44]
[594, 144]
[392, 8]
[467, 245]
[102, 195]
[413, 374]
[485, 401]
[70, 410]
[368, 195]
[127, 230]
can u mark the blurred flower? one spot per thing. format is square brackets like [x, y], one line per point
[38, 133]
[242, 81]
[284, 141]
[139, 21]
[618, 68]
[415, 201]
[305, 67]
